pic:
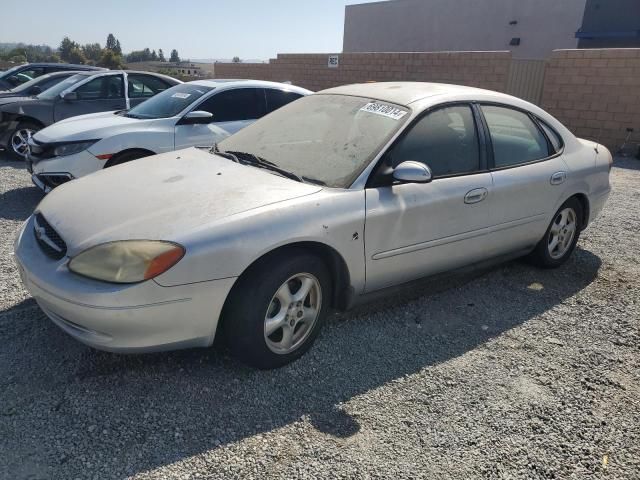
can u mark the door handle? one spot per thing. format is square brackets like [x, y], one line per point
[476, 195]
[558, 178]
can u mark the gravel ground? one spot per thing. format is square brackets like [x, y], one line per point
[517, 373]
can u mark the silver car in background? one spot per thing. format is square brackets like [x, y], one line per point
[337, 195]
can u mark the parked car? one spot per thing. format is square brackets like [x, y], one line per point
[37, 85]
[23, 73]
[331, 198]
[197, 113]
[85, 92]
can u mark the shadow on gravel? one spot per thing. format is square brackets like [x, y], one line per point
[65, 403]
[18, 204]
[628, 163]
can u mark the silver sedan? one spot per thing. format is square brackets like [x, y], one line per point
[337, 195]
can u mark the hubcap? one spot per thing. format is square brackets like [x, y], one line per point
[562, 233]
[292, 313]
[20, 141]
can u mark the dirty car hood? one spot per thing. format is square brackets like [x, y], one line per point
[163, 197]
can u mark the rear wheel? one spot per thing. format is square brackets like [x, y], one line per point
[19, 140]
[125, 157]
[275, 312]
[561, 237]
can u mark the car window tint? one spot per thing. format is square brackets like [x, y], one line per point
[145, 86]
[25, 75]
[234, 105]
[446, 140]
[515, 138]
[279, 98]
[554, 137]
[101, 88]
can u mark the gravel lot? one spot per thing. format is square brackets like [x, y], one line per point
[517, 373]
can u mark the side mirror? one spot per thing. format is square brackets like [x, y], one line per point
[412, 172]
[69, 96]
[197, 117]
[36, 90]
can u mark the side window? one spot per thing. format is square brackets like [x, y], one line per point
[553, 136]
[234, 105]
[515, 138]
[279, 98]
[144, 86]
[107, 87]
[446, 140]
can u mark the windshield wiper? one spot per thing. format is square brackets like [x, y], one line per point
[251, 159]
[227, 155]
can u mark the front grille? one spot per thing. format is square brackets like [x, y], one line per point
[53, 180]
[50, 242]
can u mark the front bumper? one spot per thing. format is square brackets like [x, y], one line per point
[49, 173]
[143, 317]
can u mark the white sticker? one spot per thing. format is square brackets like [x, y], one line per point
[334, 61]
[181, 95]
[384, 110]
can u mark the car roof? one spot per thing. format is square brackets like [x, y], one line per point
[68, 66]
[232, 82]
[403, 93]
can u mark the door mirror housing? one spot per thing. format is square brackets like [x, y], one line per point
[197, 117]
[35, 90]
[412, 172]
[69, 96]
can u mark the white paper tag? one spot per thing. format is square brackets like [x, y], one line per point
[181, 95]
[384, 110]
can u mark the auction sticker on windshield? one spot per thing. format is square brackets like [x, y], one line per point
[384, 110]
[181, 95]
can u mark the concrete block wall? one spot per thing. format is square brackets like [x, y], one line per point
[595, 93]
[477, 69]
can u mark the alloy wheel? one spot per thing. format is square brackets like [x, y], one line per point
[562, 232]
[20, 141]
[292, 313]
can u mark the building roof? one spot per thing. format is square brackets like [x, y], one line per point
[401, 93]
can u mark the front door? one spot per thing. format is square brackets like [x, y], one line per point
[232, 110]
[414, 230]
[102, 94]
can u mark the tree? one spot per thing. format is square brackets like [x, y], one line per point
[175, 58]
[76, 56]
[118, 48]
[154, 56]
[236, 60]
[92, 51]
[161, 56]
[110, 59]
[111, 42]
[66, 46]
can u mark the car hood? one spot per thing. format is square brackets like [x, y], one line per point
[86, 127]
[162, 197]
[9, 100]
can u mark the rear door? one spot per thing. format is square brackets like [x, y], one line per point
[100, 94]
[277, 98]
[231, 109]
[529, 176]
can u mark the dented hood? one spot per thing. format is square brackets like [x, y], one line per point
[163, 197]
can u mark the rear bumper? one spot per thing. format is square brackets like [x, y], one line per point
[142, 317]
[596, 204]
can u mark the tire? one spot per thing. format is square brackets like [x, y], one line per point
[19, 137]
[564, 237]
[256, 299]
[125, 157]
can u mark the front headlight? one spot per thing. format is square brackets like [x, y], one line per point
[127, 261]
[71, 148]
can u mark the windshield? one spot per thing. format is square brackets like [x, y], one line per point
[326, 138]
[7, 73]
[56, 90]
[26, 86]
[170, 102]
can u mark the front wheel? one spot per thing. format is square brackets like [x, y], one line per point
[19, 140]
[561, 236]
[276, 310]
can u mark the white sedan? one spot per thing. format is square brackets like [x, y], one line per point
[334, 197]
[198, 113]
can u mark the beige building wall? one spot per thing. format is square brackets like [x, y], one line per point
[442, 25]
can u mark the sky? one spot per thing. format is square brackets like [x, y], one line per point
[250, 29]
